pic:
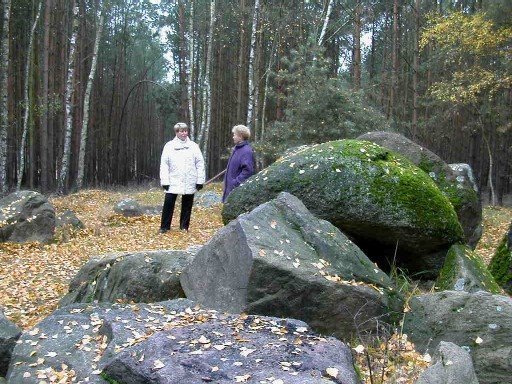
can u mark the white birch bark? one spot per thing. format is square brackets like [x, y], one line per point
[252, 82]
[64, 170]
[87, 99]
[21, 162]
[189, 64]
[206, 119]
[326, 22]
[4, 113]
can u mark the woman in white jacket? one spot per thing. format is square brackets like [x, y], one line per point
[181, 173]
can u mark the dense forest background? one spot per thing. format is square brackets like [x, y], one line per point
[90, 89]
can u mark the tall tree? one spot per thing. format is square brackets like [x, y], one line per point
[476, 65]
[43, 129]
[416, 69]
[87, 98]
[207, 94]
[189, 64]
[253, 83]
[68, 102]
[21, 161]
[356, 61]
[326, 22]
[4, 111]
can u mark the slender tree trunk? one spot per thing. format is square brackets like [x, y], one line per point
[43, 129]
[326, 22]
[267, 77]
[66, 155]
[190, 71]
[415, 69]
[252, 80]
[242, 67]
[490, 181]
[21, 162]
[4, 112]
[206, 120]
[87, 98]
[394, 58]
[356, 62]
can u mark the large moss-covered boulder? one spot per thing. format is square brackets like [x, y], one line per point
[464, 270]
[454, 180]
[385, 203]
[501, 263]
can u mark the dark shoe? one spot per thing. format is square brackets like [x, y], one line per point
[163, 230]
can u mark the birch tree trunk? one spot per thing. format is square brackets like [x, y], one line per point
[252, 82]
[87, 99]
[326, 23]
[4, 113]
[21, 161]
[64, 170]
[189, 64]
[206, 118]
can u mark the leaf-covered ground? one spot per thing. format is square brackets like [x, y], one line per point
[35, 276]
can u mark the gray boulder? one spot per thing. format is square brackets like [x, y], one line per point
[479, 322]
[280, 260]
[149, 276]
[160, 342]
[228, 349]
[132, 208]
[9, 334]
[450, 365]
[456, 181]
[26, 216]
[464, 270]
[501, 263]
[207, 199]
[83, 337]
[68, 218]
[390, 208]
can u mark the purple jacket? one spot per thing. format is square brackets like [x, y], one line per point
[240, 167]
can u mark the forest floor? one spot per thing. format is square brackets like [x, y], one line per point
[33, 276]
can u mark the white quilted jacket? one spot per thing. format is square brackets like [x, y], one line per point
[181, 166]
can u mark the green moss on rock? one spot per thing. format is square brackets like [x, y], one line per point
[501, 265]
[360, 187]
[464, 270]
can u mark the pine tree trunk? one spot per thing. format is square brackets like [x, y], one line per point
[252, 82]
[356, 62]
[66, 155]
[4, 112]
[326, 22]
[43, 130]
[394, 59]
[21, 161]
[415, 68]
[87, 98]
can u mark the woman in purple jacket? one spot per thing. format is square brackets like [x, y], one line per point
[241, 162]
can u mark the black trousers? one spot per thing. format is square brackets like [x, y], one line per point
[186, 210]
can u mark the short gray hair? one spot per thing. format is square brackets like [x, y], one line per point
[178, 126]
[243, 131]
